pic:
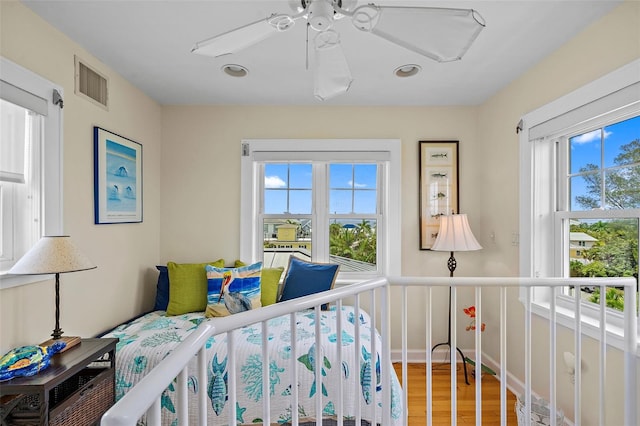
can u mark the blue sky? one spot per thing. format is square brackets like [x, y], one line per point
[586, 149]
[352, 186]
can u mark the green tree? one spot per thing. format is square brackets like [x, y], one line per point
[356, 242]
[614, 298]
[622, 184]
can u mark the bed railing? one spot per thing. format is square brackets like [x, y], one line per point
[145, 397]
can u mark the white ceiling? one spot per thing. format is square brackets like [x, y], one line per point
[149, 44]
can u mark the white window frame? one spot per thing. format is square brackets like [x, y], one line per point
[52, 157]
[287, 150]
[541, 237]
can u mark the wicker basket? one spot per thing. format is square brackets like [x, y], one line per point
[84, 400]
[540, 412]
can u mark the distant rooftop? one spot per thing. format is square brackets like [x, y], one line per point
[280, 257]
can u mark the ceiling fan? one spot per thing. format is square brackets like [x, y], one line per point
[441, 34]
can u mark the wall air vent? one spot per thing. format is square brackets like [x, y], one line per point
[90, 84]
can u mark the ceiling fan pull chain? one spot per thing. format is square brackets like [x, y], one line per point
[307, 49]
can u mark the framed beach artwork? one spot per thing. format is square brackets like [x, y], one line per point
[438, 186]
[117, 178]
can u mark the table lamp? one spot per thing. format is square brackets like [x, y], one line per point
[53, 255]
[454, 235]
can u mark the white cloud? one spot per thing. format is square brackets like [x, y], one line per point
[589, 137]
[273, 182]
[357, 185]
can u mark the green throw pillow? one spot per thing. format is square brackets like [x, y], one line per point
[269, 285]
[188, 288]
[270, 280]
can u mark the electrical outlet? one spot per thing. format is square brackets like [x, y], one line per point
[515, 239]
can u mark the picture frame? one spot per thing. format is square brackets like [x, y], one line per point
[117, 178]
[439, 191]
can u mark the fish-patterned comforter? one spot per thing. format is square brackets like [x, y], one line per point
[145, 341]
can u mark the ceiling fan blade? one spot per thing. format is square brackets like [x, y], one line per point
[442, 34]
[331, 74]
[245, 36]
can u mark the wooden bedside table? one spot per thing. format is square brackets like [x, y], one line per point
[75, 390]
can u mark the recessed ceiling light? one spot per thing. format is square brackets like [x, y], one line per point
[235, 70]
[407, 70]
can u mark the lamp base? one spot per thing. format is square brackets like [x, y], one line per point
[71, 341]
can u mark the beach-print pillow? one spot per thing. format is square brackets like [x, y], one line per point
[269, 283]
[232, 290]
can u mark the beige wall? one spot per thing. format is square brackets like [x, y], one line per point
[123, 284]
[606, 45]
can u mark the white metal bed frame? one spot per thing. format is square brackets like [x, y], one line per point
[144, 398]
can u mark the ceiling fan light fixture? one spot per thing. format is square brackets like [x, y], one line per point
[320, 15]
[331, 72]
[408, 70]
[235, 70]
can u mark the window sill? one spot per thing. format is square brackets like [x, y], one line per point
[590, 325]
[9, 281]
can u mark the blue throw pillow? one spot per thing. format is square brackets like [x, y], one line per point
[162, 289]
[305, 278]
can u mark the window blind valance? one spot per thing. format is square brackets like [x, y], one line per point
[22, 98]
[619, 102]
[333, 156]
[12, 146]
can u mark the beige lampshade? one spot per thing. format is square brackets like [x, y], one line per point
[50, 255]
[455, 234]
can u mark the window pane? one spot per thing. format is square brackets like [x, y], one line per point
[341, 176]
[300, 176]
[365, 202]
[365, 176]
[585, 192]
[621, 143]
[340, 201]
[300, 202]
[353, 244]
[603, 248]
[275, 201]
[276, 176]
[622, 189]
[585, 151]
[13, 134]
[283, 237]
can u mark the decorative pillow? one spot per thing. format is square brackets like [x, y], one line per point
[188, 287]
[232, 290]
[269, 283]
[304, 278]
[162, 289]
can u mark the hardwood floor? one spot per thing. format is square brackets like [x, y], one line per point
[416, 388]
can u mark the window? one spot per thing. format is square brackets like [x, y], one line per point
[580, 202]
[599, 205]
[30, 165]
[20, 183]
[324, 201]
